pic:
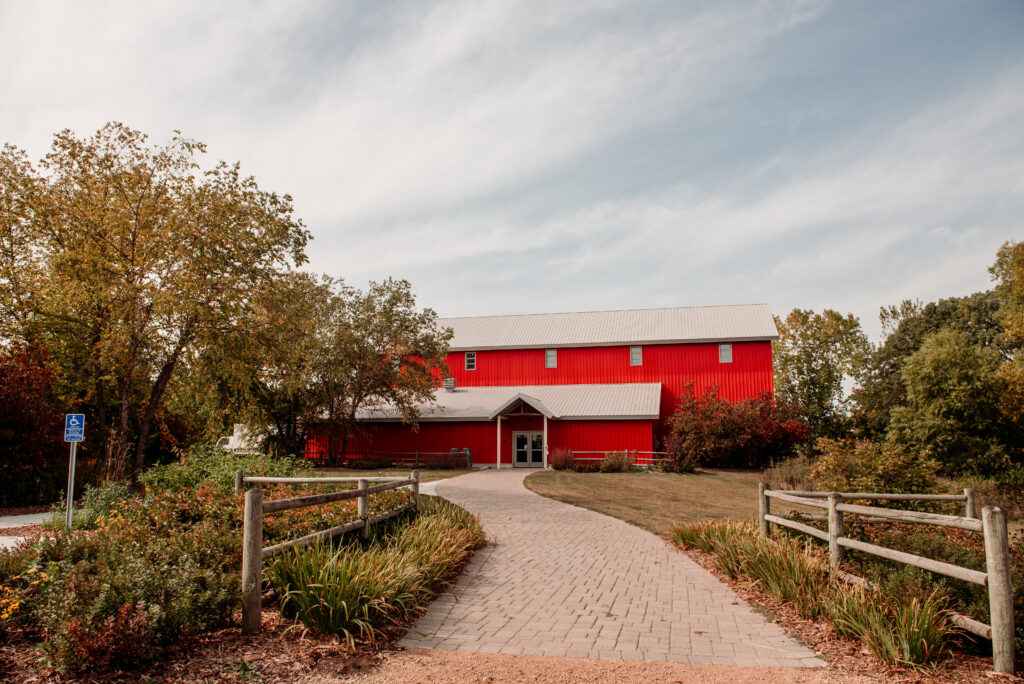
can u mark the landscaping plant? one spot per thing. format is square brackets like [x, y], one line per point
[355, 591]
[906, 630]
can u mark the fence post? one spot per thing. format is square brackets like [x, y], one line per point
[252, 546]
[763, 508]
[363, 508]
[835, 531]
[1000, 590]
[415, 490]
[239, 475]
[969, 510]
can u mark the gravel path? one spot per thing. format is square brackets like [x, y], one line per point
[558, 580]
[452, 667]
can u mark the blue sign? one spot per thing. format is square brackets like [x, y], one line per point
[74, 427]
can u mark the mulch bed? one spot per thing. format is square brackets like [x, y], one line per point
[849, 656]
[281, 653]
[23, 531]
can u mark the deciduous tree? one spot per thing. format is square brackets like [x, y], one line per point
[813, 355]
[123, 256]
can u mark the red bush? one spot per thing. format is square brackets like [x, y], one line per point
[708, 430]
[33, 459]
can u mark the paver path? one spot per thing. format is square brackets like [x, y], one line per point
[560, 580]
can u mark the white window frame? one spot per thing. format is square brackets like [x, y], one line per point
[551, 358]
[639, 352]
[470, 361]
[725, 352]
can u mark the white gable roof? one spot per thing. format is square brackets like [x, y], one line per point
[735, 323]
[625, 401]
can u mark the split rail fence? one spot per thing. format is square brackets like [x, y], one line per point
[996, 579]
[253, 551]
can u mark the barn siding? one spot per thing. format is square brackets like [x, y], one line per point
[673, 365]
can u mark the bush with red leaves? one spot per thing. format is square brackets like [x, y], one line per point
[33, 459]
[708, 430]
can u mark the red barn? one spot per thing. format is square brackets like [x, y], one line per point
[588, 382]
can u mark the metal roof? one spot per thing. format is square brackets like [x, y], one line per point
[624, 401]
[734, 323]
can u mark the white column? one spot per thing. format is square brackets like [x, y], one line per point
[498, 452]
[545, 441]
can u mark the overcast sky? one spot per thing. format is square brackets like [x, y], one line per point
[516, 157]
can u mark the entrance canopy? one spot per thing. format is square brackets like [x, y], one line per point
[624, 401]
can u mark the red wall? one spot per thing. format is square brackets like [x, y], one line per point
[673, 365]
[481, 437]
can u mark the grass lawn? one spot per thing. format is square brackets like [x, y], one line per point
[656, 501]
[425, 475]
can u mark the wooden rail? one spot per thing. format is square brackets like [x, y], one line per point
[996, 579]
[641, 459]
[253, 552]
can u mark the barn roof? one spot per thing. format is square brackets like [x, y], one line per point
[624, 401]
[733, 323]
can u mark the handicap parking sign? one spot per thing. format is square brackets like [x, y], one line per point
[74, 427]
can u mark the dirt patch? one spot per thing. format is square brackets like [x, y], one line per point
[23, 531]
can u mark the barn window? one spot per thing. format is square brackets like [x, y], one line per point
[725, 353]
[470, 360]
[551, 358]
[636, 356]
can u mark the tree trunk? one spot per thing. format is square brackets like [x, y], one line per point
[156, 395]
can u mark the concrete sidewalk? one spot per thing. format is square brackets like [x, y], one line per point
[559, 580]
[9, 521]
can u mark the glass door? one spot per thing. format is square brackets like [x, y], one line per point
[528, 449]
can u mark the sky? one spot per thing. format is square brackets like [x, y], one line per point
[522, 157]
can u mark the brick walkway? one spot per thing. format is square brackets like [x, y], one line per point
[559, 580]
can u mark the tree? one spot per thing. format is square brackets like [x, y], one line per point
[906, 327]
[813, 355]
[380, 352]
[1008, 271]
[709, 430]
[123, 258]
[954, 393]
[263, 368]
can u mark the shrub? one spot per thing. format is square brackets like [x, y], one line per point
[893, 626]
[862, 466]
[352, 591]
[792, 473]
[616, 462]
[33, 459]
[709, 430]
[560, 459]
[211, 463]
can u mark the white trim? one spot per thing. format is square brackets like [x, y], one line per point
[533, 402]
[544, 448]
[497, 456]
[618, 343]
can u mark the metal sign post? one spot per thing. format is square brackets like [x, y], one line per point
[74, 432]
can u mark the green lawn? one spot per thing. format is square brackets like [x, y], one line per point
[425, 475]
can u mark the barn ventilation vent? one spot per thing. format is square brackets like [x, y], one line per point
[449, 384]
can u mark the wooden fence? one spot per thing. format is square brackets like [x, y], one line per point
[253, 551]
[996, 579]
[641, 459]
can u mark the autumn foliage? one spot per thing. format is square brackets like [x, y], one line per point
[709, 430]
[32, 457]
